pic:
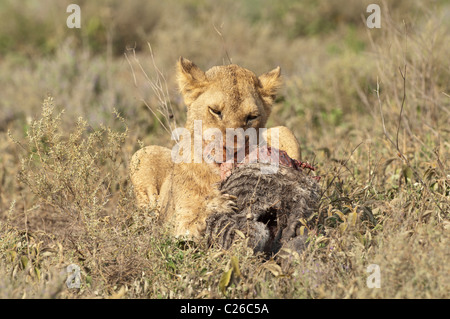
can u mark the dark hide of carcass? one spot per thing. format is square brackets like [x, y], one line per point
[270, 206]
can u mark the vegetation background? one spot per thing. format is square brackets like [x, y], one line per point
[371, 108]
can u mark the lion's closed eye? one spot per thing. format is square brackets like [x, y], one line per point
[250, 118]
[215, 112]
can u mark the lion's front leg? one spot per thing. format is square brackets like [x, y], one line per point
[286, 141]
[149, 169]
[197, 196]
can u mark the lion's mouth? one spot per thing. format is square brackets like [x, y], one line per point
[237, 152]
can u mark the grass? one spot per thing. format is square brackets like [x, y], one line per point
[65, 193]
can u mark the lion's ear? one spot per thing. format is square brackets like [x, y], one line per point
[191, 80]
[270, 83]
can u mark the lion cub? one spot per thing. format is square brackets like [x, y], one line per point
[186, 192]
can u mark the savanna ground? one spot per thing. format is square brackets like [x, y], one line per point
[370, 108]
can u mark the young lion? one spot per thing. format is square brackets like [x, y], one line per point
[223, 97]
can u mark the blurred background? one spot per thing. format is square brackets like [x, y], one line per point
[329, 58]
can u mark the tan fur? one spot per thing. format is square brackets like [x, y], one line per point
[186, 193]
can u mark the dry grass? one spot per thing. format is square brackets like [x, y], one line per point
[65, 195]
